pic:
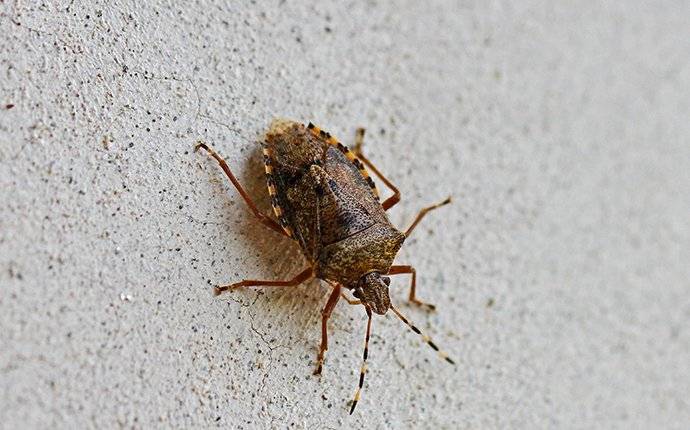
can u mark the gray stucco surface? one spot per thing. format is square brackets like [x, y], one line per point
[561, 129]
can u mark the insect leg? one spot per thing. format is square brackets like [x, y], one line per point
[422, 213]
[363, 370]
[425, 338]
[349, 300]
[265, 220]
[395, 198]
[301, 277]
[398, 270]
[325, 314]
[359, 140]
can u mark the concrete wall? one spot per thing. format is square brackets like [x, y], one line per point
[560, 128]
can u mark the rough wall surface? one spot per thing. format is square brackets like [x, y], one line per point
[561, 270]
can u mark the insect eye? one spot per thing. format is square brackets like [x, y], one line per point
[386, 280]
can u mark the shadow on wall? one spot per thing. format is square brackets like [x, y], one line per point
[278, 255]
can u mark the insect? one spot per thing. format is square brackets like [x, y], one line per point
[323, 198]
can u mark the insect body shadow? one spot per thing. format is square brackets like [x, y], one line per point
[272, 250]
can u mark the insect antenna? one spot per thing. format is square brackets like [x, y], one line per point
[363, 370]
[425, 338]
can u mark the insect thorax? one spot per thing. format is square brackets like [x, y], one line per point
[373, 249]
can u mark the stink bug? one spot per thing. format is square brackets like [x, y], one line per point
[324, 198]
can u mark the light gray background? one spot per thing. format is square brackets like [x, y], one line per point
[560, 128]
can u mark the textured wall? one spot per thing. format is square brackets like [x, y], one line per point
[560, 129]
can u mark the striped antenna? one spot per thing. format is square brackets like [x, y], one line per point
[425, 338]
[363, 370]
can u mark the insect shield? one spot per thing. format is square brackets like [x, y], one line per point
[324, 198]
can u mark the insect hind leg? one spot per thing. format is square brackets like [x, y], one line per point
[262, 218]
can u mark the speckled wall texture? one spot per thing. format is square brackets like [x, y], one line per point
[560, 271]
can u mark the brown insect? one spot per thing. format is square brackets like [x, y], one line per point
[324, 198]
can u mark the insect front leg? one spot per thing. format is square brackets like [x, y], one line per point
[399, 270]
[301, 277]
[263, 219]
[325, 315]
[395, 198]
[349, 300]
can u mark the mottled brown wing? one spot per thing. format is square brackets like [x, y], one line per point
[318, 193]
[327, 138]
[326, 206]
[351, 185]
